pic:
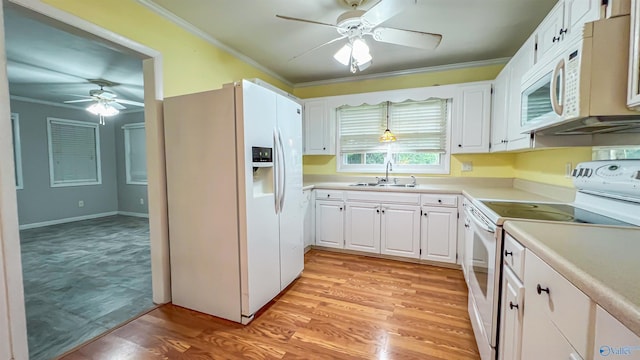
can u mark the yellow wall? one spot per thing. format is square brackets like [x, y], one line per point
[190, 64]
[548, 166]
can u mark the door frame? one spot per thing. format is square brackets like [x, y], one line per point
[12, 307]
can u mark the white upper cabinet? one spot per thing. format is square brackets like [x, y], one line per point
[471, 118]
[500, 109]
[633, 93]
[519, 64]
[566, 18]
[319, 132]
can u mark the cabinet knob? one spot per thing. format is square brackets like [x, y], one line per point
[563, 31]
[324, 148]
[425, 214]
[328, 195]
[466, 225]
[383, 211]
[459, 145]
[556, 39]
[378, 211]
[540, 289]
[512, 305]
[439, 201]
[507, 253]
[340, 209]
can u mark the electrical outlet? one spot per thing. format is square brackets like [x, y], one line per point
[467, 166]
[81, 203]
[141, 201]
[568, 168]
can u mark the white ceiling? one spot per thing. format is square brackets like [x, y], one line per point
[49, 64]
[472, 30]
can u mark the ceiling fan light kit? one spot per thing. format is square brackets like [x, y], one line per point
[105, 103]
[355, 24]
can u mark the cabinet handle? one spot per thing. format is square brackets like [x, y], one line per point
[540, 289]
[512, 305]
[507, 253]
[563, 31]
[466, 225]
[556, 39]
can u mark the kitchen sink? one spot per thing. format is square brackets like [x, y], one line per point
[365, 184]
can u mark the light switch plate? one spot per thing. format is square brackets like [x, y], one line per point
[467, 166]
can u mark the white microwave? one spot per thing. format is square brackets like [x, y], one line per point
[583, 88]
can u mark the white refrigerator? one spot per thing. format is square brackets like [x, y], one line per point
[234, 185]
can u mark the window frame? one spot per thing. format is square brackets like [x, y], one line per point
[17, 150]
[441, 169]
[127, 152]
[96, 129]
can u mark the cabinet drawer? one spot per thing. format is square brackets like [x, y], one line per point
[384, 197]
[329, 195]
[550, 296]
[513, 255]
[439, 200]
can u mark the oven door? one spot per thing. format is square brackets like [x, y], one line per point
[483, 270]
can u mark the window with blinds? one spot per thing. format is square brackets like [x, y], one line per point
[17, 150]
[74, 153]
[135, 154]
[421, 128]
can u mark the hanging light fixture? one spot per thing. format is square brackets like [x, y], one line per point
[388, 136]
[102, 109]
[354, 54]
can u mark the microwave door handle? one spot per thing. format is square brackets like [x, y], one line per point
[558, 106]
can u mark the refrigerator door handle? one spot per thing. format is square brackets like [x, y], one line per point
[276, 176]
[282, 165]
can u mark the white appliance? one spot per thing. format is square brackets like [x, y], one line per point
[234, 184]
[582, 88]
[608, 195]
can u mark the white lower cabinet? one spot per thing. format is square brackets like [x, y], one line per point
[330, 223]
[613, 339]
[363, 227]
[439, 234]
[511, 316]
[400, 227]
[309, 231]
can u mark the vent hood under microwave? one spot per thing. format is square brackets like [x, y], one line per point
[588, 84]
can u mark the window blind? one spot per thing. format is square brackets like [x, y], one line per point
[136, 153]
[360, 128]
[421, 126]
[74, 156]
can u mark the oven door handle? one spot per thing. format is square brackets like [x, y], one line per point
[479, 222]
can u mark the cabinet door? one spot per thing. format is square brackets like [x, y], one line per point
[511, 316]
[548, 33]
[363, 227]
[309, 218]
[472, 119]
[613, 338]
[633, 94]
[521, 62]
[317, 128]
[330, 224]
[579, 12]
[400, 230]
[500, 109]
[438, 234]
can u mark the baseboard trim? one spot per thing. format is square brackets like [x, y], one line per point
[129, 213]
[389, 257]
[66, 220]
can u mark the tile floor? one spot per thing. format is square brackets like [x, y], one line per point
[82, 279]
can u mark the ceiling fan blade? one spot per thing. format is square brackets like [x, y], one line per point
[306, 21]
[128, 102]
[77, 101]
[116, 105]
[318, 47]
[384, 10]
[415, 39]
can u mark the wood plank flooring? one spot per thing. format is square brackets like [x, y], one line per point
[343, 307]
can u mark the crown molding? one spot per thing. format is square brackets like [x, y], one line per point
[464, 65]
[215, 42]
[43, 102]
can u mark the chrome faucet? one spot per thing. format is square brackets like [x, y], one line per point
[389, 168]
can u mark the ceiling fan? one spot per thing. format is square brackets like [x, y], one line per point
[355, 24]
[105, 103]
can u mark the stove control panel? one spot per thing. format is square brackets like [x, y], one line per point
[619, 178]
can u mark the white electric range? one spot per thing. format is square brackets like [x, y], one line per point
[608, 194]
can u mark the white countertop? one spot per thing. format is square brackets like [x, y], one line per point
[603, 262]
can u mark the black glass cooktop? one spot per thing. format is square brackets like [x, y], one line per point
[550, 212]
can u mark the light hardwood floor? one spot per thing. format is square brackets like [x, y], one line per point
[343, 307]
